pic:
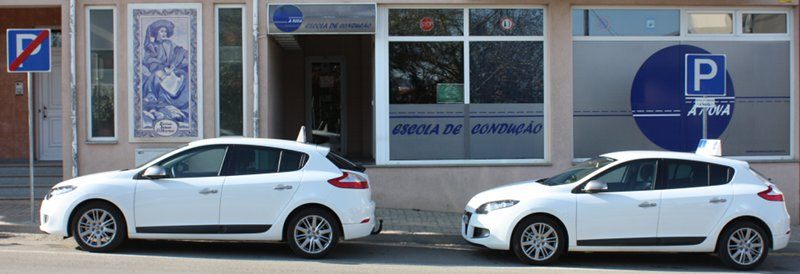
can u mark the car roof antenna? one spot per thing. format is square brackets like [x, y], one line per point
[301, 136]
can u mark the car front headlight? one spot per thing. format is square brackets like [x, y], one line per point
[492, 206]
[60, 190]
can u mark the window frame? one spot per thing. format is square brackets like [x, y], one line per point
[160, 161]
[226, 166]
[656, 176]
[661, 180]
[740, 27]
[737, 35]
[381, 113]
[217, 113]
[90, 139]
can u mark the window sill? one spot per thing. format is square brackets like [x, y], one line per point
[463, 163]
[101, 142]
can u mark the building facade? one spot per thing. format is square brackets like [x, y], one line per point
[440, 99]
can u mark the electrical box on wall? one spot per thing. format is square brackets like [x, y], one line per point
[19, 88]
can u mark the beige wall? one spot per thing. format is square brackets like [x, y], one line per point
[100, 156]
[434, 188]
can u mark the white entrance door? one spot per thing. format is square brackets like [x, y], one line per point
[47, 88]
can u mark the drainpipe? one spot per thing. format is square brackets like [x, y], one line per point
[256, 118]
[72, 89]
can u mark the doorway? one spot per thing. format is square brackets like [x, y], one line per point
[47, 97]
[325, 97]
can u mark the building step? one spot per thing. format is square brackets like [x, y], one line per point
[44, 181]
[14, 171]
[23, 193]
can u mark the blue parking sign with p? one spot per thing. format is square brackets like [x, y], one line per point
[28, 50]
[705, 75]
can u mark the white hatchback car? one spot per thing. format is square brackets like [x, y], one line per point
[635, 201]
[220, 189]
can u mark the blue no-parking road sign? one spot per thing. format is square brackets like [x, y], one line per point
[28, 50]
[705, 75]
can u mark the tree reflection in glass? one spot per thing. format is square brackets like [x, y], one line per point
[416, 68]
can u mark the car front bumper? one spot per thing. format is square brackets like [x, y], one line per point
[490, 230]
[54, 217]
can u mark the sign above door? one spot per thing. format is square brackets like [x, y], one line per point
[321, 19]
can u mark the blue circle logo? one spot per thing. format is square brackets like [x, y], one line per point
[662, 110]
[287, 18]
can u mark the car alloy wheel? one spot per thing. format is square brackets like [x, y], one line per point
[96, 228]
[539, 241]
[745, 246]
[313, 234]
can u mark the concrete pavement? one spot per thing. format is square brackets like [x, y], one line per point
[412, 241]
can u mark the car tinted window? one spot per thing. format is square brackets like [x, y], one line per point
[247, 160]
[253, 160]
[630, 176]
[684, 174]
[197, 162]
[719, 175]
[343, 163]
[291, 161]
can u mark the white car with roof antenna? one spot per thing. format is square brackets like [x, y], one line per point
[635, 201]
[241, 189]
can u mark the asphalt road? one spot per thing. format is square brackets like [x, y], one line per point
[38, 253]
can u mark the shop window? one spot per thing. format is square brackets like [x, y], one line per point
[629, 94]
[626, 22]
[506, 22]
[421, 72]
[230, 71]
[710, 23]
[101, 74]
[493, 79]
[457, 96]
[764, 23]
[426, 22]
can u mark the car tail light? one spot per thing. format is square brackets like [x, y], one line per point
[350, 180]
[771, 194]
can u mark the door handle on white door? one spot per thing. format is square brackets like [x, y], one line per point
[283, 187]
[647, 204]
[207, 191]
[717, 200]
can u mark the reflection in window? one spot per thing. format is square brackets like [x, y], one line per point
[426, 22]
[499, 74]
[506, 22]
[417, 70]
[200, 162]
[710, 23]
[231, 76]
[625, 22]
[764, 23]
[101, 73]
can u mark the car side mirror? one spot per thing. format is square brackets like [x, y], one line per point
[595, 186]
[154, 173]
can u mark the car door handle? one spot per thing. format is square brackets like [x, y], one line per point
[717, 200]
[647, 204]
[283, 187]
[207, 191]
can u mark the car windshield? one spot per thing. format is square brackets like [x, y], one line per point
[577, 172]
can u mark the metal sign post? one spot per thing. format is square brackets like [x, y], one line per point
[30, 146]
[28, 51]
